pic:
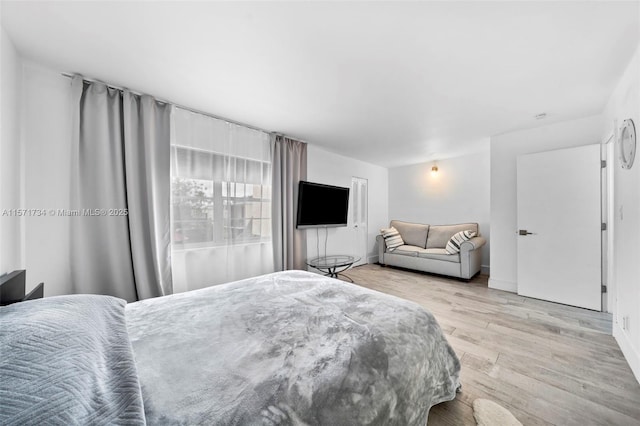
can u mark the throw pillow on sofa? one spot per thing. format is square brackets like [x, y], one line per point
[392, 238]
[453, 246]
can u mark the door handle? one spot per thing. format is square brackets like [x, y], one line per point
[525, 232]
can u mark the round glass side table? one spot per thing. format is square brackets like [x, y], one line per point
[333, 265]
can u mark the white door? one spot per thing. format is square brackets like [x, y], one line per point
[359, 193]
[559, 226]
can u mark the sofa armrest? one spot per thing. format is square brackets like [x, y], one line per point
[472, 244]
[382, 248]
[471, 257]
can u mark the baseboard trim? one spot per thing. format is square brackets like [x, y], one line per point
[373, 259]
[503, 285]
[485, 270]
[629, 352]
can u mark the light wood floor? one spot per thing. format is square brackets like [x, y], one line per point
[545, 362]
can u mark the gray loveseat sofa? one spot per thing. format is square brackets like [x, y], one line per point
[424, 249]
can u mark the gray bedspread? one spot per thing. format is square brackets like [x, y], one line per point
[289, 348]
[67, 360]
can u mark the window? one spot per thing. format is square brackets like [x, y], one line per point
[217, 209]
[192, 205]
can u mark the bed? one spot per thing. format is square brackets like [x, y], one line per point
[289, 348]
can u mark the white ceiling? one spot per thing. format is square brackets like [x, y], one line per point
[391, 83]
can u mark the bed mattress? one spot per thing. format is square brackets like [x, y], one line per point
[289, 348]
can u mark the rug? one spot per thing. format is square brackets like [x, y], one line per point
[488, 413]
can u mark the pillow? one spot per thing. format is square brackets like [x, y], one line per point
[68, 360]
[439, 235]
[392, 238]
[453, 246]
[414, 234]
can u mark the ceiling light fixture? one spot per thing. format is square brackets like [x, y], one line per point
[434, 170]
[540, 116]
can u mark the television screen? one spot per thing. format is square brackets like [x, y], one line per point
[322, 205]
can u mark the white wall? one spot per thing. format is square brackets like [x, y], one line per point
[458, 193]
[11, 227]
[505, 149]
[34, 170]
[333, 169]
[46, 137]
[625, 288]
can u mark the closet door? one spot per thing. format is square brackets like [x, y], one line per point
[559, 226]
[359, 195]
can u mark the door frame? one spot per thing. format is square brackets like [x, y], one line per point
[609, 302]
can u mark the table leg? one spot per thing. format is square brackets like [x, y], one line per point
[333, 271]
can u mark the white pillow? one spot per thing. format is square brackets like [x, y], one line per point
[453, 245]
[392, 238]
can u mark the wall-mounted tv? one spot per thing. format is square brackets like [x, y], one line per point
[322, 205]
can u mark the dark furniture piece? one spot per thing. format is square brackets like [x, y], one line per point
[12, 288]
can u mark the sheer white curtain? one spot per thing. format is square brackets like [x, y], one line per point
[220, 201]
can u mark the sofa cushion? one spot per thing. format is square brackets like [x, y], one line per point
[453, 246]
[414, 234]
[439, 235]
[392, 238]
[407, 250]
[439, 254]
[436, 254]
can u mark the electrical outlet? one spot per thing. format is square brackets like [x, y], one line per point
[625, 322]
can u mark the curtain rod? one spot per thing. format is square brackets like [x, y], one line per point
[90, 80]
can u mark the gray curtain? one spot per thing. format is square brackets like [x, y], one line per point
[120, 240]
[288, 168]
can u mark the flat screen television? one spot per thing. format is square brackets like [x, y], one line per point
[322, 205]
